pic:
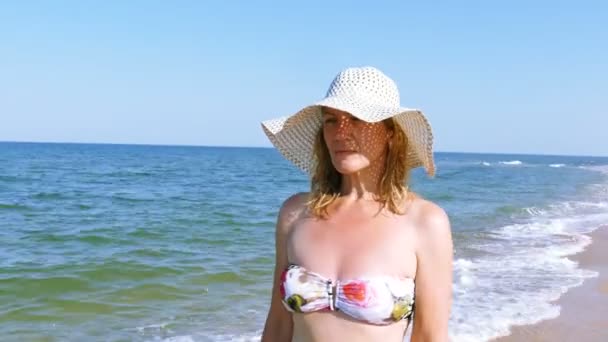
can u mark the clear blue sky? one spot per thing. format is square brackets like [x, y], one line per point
[492, 76]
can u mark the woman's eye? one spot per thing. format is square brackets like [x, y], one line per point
[329, 120]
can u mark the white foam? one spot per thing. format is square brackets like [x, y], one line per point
[557, 165]
[533, 211]
[466, 277]
[485, 163]
[512, 162]
[186, 338]
[525, 269]
[207, 336]
[246, 337]
[149, 327]
[579, 210]
[599, 168]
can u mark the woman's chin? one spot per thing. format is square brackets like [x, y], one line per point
[349, 165]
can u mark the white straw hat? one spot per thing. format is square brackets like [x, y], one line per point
[367, 94]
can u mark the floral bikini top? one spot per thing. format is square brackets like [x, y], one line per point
[377, 300]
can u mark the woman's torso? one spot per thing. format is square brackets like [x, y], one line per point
[352, 243]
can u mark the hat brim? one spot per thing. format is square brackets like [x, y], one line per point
[294, 136]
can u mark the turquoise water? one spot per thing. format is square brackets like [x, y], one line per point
[160, 243]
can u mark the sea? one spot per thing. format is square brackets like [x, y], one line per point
[103, 242]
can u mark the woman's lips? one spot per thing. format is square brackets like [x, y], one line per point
[344, 152]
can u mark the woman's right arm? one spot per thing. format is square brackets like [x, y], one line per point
[279, 325]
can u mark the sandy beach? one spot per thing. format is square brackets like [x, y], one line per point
[584, 309]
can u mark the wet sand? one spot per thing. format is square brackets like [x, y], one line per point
[584, 309]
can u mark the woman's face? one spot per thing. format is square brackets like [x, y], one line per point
[353, 144]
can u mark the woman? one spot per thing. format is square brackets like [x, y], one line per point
[359, 257]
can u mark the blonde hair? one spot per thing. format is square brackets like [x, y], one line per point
[326, 180]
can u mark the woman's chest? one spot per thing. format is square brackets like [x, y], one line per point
[351, 248]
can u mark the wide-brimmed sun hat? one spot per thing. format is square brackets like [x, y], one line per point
[365, 93]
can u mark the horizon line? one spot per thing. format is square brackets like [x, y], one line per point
[272, 147]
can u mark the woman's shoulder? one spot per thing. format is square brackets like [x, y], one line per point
[431, 220]
[292, 208]
[297, 201]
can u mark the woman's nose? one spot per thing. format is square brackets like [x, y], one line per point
[344, 128]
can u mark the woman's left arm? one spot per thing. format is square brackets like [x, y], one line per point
[433, 296]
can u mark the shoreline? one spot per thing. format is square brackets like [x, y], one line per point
[583, 309]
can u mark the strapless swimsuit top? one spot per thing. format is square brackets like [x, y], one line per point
[377, 300]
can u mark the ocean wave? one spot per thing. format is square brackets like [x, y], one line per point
[206, 336]
[185, 338]
[126, 198]
[534, 211]
[48, 195]
[224, 278]
[524, 269]
[557, 165]
[112, 270]
[561, 209]
[144, 293]
[512, 162]
[244, 337]
[14, 206]
[598, 168]
[575, 208]
[151, 327]
[21, 287]
[99, 240]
